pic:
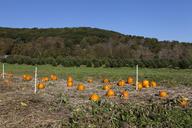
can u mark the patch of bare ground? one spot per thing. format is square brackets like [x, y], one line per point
[52, 107]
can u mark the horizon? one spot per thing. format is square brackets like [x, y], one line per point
[164, 20]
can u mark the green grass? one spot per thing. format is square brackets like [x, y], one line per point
[168, 77]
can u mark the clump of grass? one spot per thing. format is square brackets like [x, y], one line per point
[109, 114]
[60, 101]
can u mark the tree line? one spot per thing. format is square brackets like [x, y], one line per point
[91, 47]
[102, 62]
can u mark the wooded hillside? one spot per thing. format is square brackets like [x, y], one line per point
[91, 47]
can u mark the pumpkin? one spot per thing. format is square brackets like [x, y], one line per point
[140, 86]
[41, 86]
[121, 83]
[106, 81]
[53, 77]
[145, 83]
[110, 93]
[125, 94]
[90, 81]
[27, 77]
[24, 77]
[130, 80]
[94, 97]
[106, 87]
[44, 79]
[163, 93]
[69, 78]
[153, 84]
[80, 87]
[69, 83]
[183, 102]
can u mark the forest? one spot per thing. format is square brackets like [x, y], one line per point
[91, 47]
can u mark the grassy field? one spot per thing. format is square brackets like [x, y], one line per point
[165, 76]
[58, 106]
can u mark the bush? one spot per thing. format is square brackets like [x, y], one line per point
[88, 64]
[97, 63]
[108, 62]
[184, 63]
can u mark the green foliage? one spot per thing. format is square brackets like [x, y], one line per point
[108, 62]
[108, 114]
[91, 47]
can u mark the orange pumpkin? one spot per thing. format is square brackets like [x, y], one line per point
[125, 94]
[80, 87]
[140, 86]
[44, 79]
[69, 78]
[90, 81]
[163, 93]
[145, 83]
[69, 83]
[130, 80]
[24, 76]
[121, 83]
[106, 87]
[106, 81]
[53, 77]
[27, 77]
[94, 97]
[110, 93]
[41, 86]
[153, 84]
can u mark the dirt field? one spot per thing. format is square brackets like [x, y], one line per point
[21, 108]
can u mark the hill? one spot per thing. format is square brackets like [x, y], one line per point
[91, 47]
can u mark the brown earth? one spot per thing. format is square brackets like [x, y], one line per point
[21, 108]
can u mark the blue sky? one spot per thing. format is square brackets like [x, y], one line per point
[162, 19]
